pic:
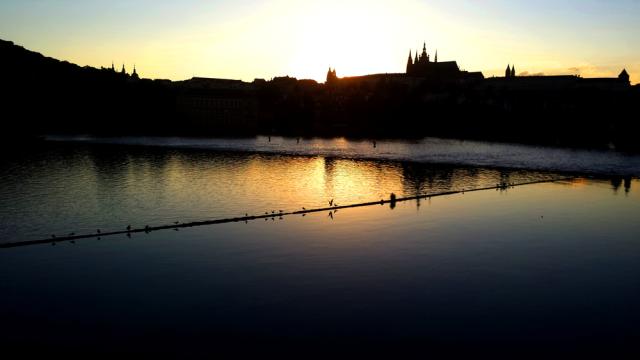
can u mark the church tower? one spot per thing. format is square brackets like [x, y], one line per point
[507, 73]
[409, 63]
[424, 57]
[624, 76]
[331, 76]
[134, 75]
[513, 71]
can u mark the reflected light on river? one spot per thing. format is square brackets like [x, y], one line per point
[80, 188]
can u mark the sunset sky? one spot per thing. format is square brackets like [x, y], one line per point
[247, 39]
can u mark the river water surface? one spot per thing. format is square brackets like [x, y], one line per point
[544, 266]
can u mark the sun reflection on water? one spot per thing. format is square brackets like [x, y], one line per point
[85, 188]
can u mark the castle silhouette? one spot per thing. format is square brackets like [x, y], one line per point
[123, 72]
[422, 65]
[422, 68]
[555, 109]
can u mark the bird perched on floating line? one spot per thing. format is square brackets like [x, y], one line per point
[331, 202]
[128, 227]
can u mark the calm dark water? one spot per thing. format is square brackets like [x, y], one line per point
[543, 269]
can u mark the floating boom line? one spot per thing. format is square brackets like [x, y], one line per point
[502, 186]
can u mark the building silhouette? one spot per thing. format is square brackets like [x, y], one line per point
[332, 76]
[555, 82]
[555, 109]
[423, 66]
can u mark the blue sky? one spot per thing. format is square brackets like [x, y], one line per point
[251, 38]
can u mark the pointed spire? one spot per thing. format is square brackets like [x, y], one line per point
[624, 76]
[513, 71]
[507, 72]
[123, 71]
[331, 75]
[135, 75]
[436, 59]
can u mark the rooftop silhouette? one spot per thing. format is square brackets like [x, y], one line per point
[431, 98]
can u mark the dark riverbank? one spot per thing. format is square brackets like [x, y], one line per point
[43, 96]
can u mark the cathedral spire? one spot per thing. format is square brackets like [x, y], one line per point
[424, 57]
[436, 59]
[507, 72]
[332, 76]
[409, 63]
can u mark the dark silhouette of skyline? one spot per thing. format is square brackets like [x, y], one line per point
[432, 98]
